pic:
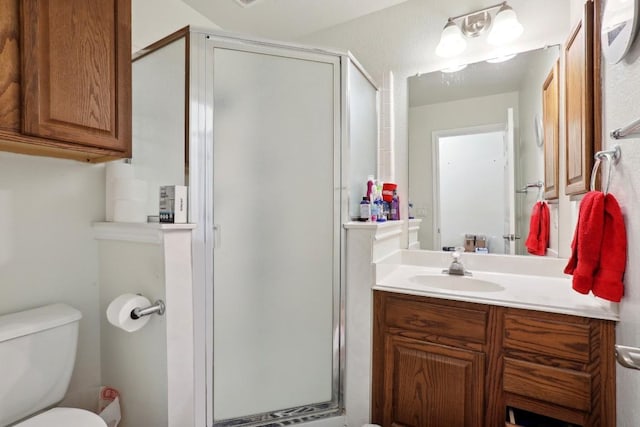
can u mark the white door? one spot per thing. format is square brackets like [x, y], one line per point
[509, 188]
[469, 181]
[276, 209]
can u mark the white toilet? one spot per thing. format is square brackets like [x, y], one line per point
[37, 355]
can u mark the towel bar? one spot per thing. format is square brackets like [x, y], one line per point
[627, 131]
[629, 357]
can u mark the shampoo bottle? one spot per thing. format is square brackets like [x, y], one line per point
[365, 209]
[395, 207]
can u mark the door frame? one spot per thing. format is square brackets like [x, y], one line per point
[435, 167]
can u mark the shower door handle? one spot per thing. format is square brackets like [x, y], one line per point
[217, 236]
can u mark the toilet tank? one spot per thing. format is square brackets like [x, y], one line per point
[37, 355]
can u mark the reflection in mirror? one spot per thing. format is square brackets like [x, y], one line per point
[461, 181]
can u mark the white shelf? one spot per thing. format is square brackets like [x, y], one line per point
[136, 232]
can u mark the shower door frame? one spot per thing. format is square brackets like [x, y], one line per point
[202, 44]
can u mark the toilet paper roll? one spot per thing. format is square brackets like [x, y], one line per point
[130, 189]
[119, 312]
[129, 211]
[113, 171]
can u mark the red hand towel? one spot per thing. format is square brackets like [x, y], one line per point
[587, 241]
[538, 239]
[543, 241]
[613, 253]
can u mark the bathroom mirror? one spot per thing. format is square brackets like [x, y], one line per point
[459, 155]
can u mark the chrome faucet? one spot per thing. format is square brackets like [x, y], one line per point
[456, 268]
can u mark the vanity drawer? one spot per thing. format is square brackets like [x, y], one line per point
[565, 387]
[548, 337]
[463, 324]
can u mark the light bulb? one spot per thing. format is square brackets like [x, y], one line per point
[506, 27]
[452, 42]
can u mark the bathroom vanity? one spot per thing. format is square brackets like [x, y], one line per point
[459, 351]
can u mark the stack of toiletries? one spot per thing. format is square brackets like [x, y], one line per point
[381, 203]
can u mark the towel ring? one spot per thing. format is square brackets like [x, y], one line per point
[612, 156]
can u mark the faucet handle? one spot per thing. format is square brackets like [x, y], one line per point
[457, 253]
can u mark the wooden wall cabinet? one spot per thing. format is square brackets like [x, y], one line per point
[65, 79]
[583, 125]
[458, 364]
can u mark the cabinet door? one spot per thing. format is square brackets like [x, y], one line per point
[76, 63]
[579, 98]
[428, 384]
[551, 130]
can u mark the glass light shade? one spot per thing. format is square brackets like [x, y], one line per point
[506, 27]
[452, 42]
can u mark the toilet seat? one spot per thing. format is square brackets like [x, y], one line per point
[64, 417]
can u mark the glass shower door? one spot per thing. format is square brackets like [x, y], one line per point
[276, 210]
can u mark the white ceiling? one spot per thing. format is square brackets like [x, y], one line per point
[285, 19]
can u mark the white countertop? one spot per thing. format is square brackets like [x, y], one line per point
[543, 292]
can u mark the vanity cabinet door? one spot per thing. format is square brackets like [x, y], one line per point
[428, 384]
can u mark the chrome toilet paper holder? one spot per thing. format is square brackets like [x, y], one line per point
[157, 307]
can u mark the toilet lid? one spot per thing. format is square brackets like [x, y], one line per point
[64, 417]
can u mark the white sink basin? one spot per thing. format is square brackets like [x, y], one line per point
[456, 283]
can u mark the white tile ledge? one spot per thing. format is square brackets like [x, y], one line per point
[136, 232]
[372, 225]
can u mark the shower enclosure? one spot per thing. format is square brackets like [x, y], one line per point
[279, 142]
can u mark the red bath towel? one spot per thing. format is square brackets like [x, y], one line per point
[599, 248]
[538, 239]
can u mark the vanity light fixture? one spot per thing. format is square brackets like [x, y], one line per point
[504, 29]
[451, 42]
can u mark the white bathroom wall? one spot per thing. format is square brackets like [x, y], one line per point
[47, 250]
[426, 119]
[621, 100]
[134, 363]
[152, 20]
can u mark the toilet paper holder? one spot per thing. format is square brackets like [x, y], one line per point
[157, 307]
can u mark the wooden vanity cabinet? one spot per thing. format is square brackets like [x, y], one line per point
[65, 78]
[449, 363]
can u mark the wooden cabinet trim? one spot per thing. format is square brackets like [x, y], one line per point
[9, 65]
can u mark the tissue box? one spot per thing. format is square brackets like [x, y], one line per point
[173, 204]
